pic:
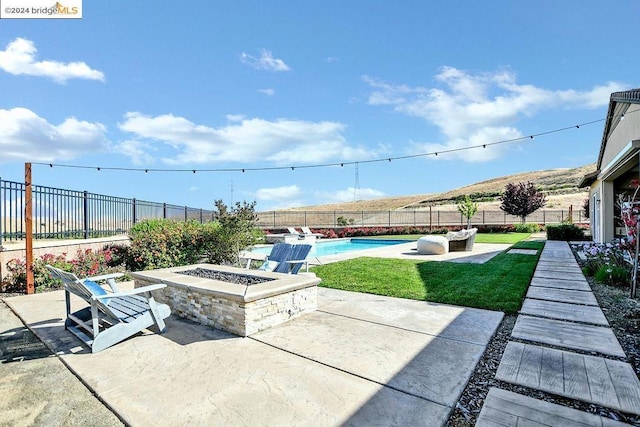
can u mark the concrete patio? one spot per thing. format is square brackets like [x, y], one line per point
[359, 360]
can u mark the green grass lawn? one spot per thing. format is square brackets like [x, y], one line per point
[499, 284]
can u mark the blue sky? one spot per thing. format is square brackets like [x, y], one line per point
[278, 84]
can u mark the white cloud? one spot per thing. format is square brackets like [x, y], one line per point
[20, 58]
[283, 142]
[472, 109]
[278, 193]
[266, 61]
[274, 198]
[348, 195]
[28, 137]
[235, 117]
[268, 92]
[137, 151]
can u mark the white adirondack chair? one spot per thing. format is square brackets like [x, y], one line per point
[112, 316]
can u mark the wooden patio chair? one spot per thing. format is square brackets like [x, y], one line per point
[112, 316]
[284, 258]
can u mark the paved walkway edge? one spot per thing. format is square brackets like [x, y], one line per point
[535, 363]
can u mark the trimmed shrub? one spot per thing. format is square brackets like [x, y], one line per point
[162, 243]
[526, 228]
[564, 232]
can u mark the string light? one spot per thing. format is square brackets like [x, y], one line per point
[322, 165]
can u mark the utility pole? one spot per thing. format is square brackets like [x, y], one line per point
[356, 185]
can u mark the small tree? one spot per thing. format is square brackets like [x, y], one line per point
[468, 209]
[233, 230]
[522, 199]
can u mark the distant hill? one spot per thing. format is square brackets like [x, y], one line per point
[560, 186]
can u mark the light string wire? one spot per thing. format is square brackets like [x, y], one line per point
[323, 165]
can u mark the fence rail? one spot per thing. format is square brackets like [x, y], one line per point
[68, 214]
[424, 217]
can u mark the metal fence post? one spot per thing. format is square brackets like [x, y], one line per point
[201, 216]
[186, 217]
[133, 210]
[164, 211]
[86, 214]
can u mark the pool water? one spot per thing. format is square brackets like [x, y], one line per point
[333, 247]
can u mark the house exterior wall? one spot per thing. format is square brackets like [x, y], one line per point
[626, 131]
[612, 166]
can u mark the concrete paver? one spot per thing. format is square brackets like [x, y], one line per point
[562, 295]
[558, 275]
[559, 268]
[606, 382]
[576, 336]
[505, 408]
[564, 311]
[559, 291]
[576, 285]
[197, 375]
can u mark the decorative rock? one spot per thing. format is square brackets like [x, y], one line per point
[433, 245]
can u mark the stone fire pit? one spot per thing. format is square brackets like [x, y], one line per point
[233, 299]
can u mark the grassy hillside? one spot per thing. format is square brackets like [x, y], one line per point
[560, 186]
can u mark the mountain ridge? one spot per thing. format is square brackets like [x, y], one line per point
[560, 186]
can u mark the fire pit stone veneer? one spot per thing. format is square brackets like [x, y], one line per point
[237, 308]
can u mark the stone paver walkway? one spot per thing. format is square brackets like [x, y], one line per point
[561, 344]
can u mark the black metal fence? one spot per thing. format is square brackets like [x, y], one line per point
[69, 214]
[428, 217]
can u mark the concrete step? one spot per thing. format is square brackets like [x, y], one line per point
[507, 409]
[596, 339]
[564, 311]
[609, 383]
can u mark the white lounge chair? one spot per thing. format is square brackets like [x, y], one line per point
[462, 240]
[112, 316]
[307, 231]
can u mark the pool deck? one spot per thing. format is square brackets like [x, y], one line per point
[481, 253]
[358, 360]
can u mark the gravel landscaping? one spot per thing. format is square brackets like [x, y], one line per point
[224, 276]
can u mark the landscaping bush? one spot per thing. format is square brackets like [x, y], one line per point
[613, 275]
[233, 231]
[86, 263]
[564, 232]
[601, 255]
[162, 243]
[526, 228]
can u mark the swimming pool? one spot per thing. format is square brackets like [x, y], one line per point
[338, 246]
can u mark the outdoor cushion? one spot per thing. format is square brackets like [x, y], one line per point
[269, 265]
[96, 289]
[433, 245]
